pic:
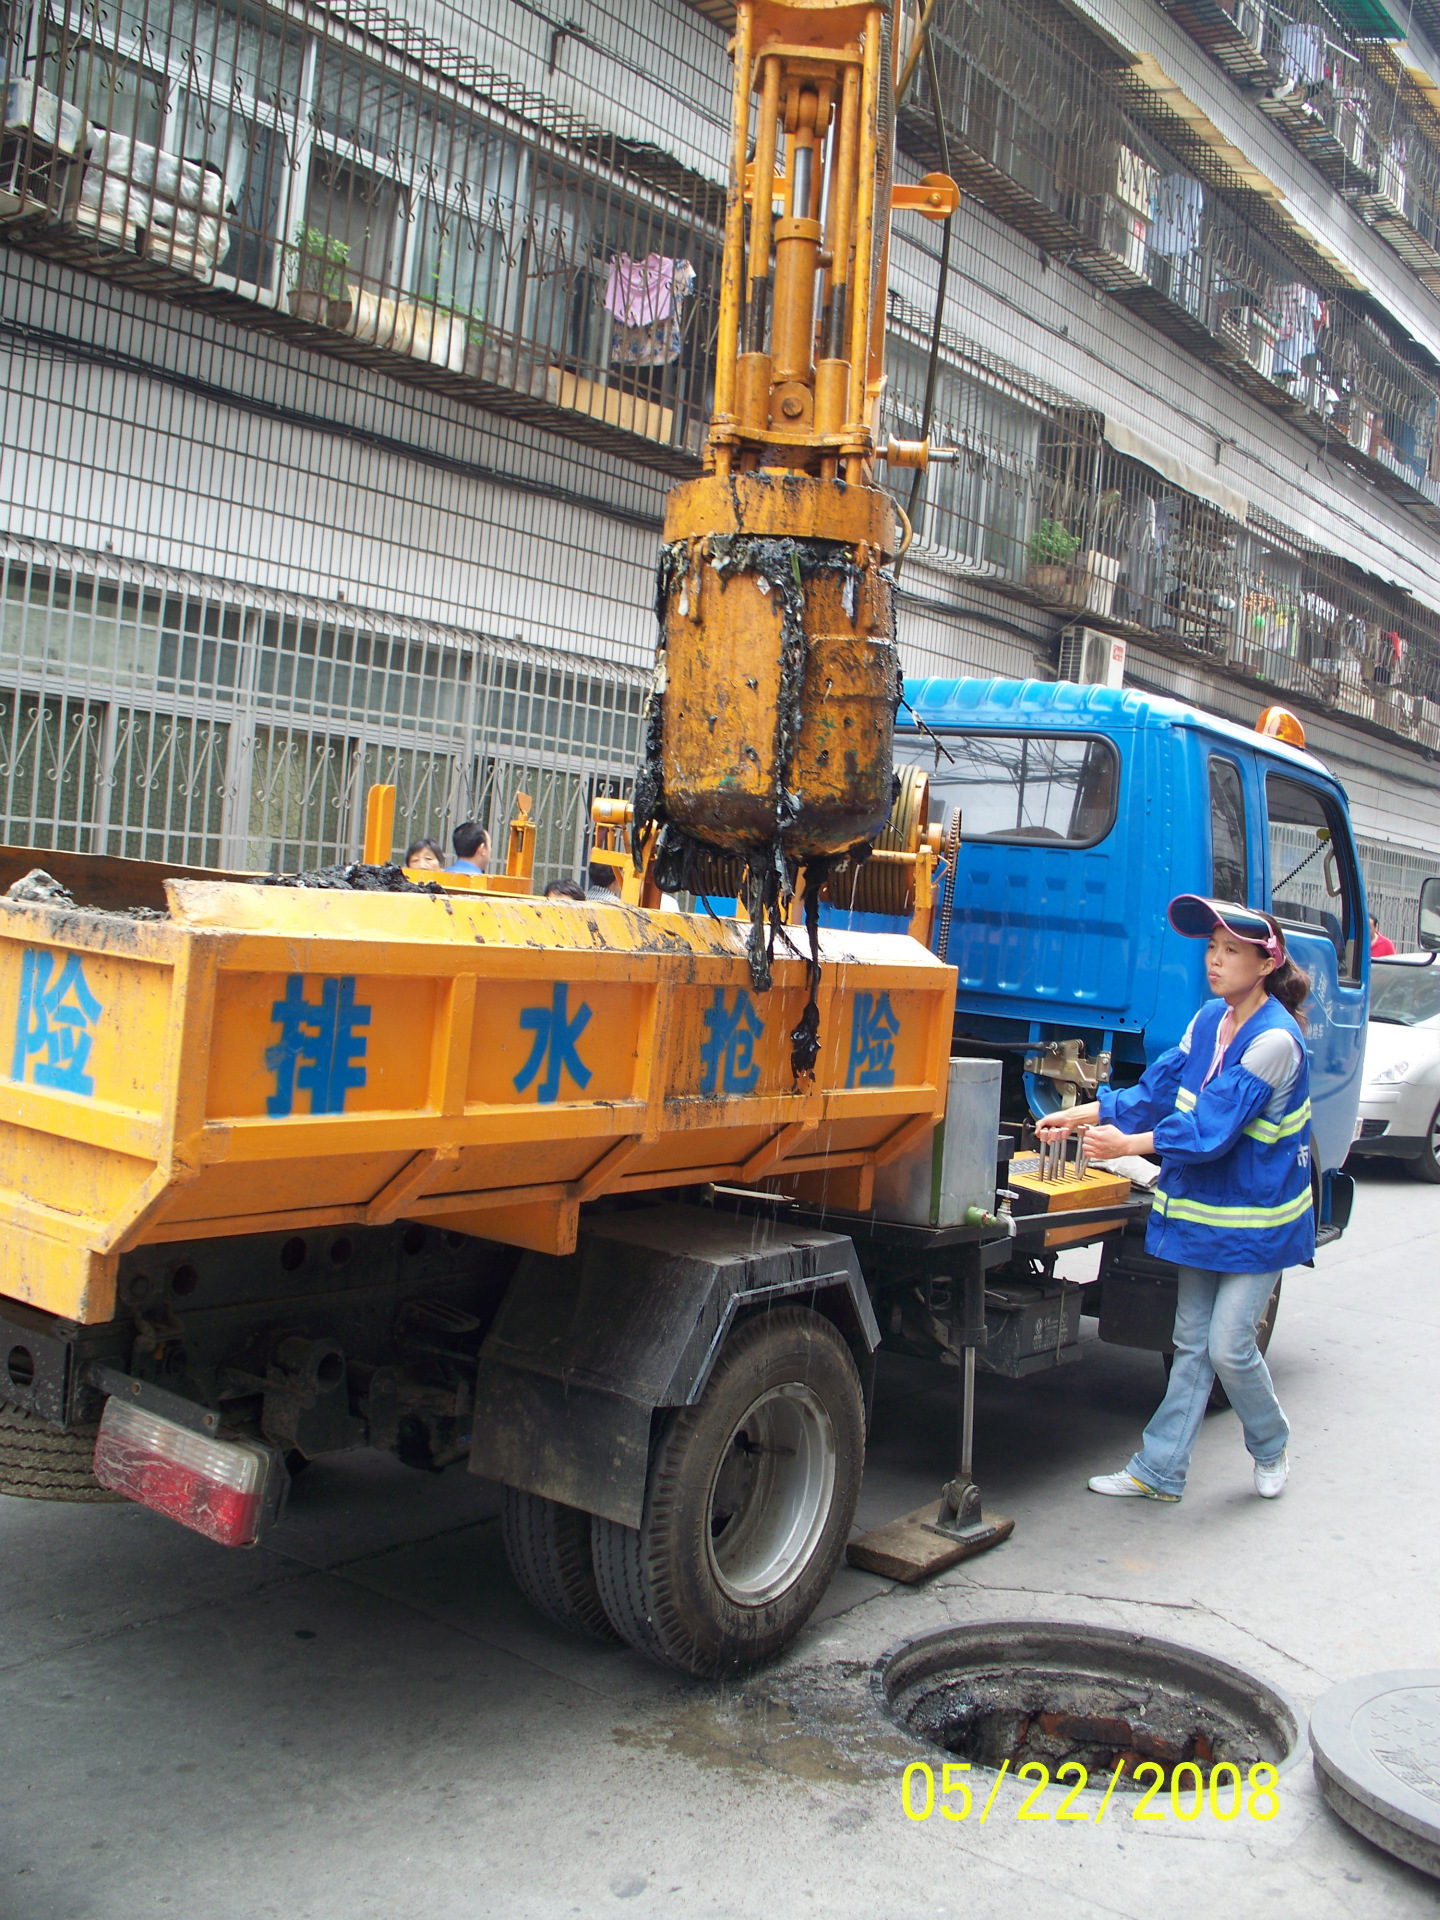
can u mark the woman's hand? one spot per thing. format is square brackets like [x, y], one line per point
[1063, 1122]
[1108, 1143]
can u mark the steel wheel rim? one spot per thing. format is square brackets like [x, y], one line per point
[771, 1494]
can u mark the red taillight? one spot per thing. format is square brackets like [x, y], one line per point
[221, 1488]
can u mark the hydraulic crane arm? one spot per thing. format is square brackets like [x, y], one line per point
[769, 732]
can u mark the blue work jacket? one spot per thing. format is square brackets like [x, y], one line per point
[1234, 1190]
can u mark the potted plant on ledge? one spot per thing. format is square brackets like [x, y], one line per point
[1052, 549]
[1067, 577]
[318, 290]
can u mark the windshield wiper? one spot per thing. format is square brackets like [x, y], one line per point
[1390, 1020]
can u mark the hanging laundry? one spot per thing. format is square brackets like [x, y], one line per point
[1302, 53]
[1301, 313]
[1178, 209]
[1391, 659]
[646, 297]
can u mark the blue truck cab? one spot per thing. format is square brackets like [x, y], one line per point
[1083, 811]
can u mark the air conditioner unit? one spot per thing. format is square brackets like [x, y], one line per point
[1250, 19]
[1091, 659]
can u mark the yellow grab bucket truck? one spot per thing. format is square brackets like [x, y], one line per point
[292, 1171]
[569, 1193]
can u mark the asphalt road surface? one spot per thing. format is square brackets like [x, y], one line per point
[362, 1719]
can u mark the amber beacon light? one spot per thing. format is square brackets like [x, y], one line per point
[1278, 723]
[769, 735]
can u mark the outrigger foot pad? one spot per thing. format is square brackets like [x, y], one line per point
[921, 1543]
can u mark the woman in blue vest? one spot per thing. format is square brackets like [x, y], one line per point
[1227, 1113]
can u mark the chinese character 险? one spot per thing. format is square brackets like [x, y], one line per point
[728, 1056]
[318, 1046]
[873, 1032]
[55, 1020]
[554, 1047]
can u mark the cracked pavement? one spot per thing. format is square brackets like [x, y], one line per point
[362, 1718]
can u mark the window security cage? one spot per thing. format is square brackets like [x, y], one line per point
[1062, 144]
[169, 718]
[1041, 505]
[336, 174]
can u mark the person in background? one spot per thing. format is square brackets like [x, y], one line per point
[565, 890]
[472, 848]
[604, 887]
[1227, 1113]
[425, 855]
[1380, 944]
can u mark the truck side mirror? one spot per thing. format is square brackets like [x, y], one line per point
[1430, 914]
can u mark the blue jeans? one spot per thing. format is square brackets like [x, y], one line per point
[1215, 1316]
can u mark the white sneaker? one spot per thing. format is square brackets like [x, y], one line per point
[1125, 1486]
[1270, 1481]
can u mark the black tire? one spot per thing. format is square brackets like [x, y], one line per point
[1426, 1164]
[548, 1547]
[40, 1462]
[717, 1578]
[1219, 1400]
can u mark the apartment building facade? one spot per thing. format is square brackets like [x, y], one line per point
[347, 359]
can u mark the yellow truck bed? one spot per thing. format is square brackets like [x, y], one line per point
[268, 1058]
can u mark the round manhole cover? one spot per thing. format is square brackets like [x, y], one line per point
[1053, 1692]
[1377, 1761]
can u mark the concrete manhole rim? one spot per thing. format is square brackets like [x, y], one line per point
[1391, 1814]
[979, 1634]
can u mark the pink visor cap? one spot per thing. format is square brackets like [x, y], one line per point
[1198, 918]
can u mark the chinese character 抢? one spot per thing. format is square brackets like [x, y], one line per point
[873, 1032]
[318, 1046]
[555, 1036]
[728, 1056]
[55, 1020]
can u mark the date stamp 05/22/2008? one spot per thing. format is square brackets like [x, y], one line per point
[1224, 1794]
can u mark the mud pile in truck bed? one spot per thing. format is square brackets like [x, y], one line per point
[351, 877]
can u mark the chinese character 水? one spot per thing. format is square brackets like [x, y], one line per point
[554, 1045]
[873, 1032]
[55, 1022]
[318, 1046]
[728, 1056]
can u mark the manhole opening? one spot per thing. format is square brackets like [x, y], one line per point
[1086, 1695]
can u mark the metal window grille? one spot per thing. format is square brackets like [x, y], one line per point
[166, 718]
[1392, 889]
[333, 173]
[1344, 101]
[1041, 505]
[1045, 132]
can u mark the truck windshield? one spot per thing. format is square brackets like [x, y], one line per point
[1404, 995]
[1027, 787]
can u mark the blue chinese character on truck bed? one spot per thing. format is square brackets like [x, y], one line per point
[874, 1029]
[55, 1021]
[554, 1045]
[317, 1048]
[728, 1056]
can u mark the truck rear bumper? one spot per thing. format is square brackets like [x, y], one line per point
[44, 1361]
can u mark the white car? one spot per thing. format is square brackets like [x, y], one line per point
[1400, 1094]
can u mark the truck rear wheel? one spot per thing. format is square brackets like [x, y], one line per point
[748, 1504]
[40, 1462]
[548, 1547]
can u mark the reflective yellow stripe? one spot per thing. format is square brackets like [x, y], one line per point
[1266, 1131]
[1203, 1215]
[1269, 1131]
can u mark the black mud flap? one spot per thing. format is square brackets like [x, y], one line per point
[1137, 1295]
[586, 1348]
